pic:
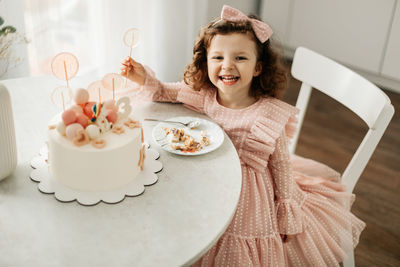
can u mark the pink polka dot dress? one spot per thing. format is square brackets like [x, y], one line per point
[280, 194]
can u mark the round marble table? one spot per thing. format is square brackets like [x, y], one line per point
[172, 223]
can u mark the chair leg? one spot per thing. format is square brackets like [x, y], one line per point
[349, 261]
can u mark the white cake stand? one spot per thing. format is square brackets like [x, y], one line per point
[63, 193]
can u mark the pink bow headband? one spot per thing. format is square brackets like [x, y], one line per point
[261, 29]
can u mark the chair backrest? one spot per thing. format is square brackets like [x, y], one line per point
[362, 97]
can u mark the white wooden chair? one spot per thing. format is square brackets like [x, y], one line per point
[365, 99]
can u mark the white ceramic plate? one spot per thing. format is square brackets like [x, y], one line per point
[213, 132]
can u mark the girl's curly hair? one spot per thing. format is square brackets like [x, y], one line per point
[273, 78]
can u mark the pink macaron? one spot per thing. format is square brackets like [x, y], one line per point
[82, 120]
[68, 116]
[112, 116]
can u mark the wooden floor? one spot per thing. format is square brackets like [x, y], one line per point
[331, 134]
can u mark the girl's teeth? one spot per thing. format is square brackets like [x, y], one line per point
[229, 78]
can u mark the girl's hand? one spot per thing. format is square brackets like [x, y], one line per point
[287, 238]
[135, 70]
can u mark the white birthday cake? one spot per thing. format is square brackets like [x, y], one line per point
[95, 146]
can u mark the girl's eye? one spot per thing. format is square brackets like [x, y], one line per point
[218, 57]
[241, 58]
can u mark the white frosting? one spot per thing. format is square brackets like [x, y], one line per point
[87, 168]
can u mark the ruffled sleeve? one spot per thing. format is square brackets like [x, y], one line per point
[266, 146]
[274, 117]
[178, 92]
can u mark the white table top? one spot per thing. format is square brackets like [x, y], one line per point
[173, 223]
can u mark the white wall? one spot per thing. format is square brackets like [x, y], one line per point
[215, 7]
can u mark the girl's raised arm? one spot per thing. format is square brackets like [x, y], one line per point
[153, 90]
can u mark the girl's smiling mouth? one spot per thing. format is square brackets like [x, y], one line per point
[228, 79]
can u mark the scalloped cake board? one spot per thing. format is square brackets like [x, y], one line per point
[147, 177]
